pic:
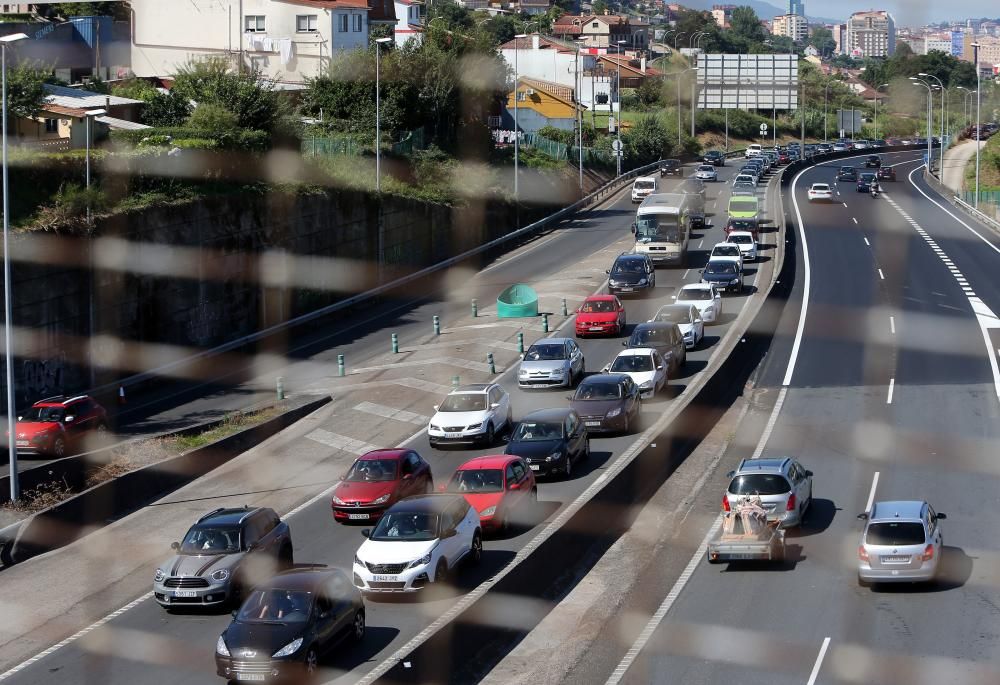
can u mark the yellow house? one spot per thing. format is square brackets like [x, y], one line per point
[541, 103]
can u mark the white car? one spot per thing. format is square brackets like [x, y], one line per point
[753, 150]
[820, 192]
[418, 541]
[645, 366]
[706, 172]
[643, 187]
[704, 297]
[747, 244]
[745, 178]
[471, 413]
[687, 319]
[729, 252]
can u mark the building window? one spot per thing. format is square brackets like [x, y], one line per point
[51, 126]
[305, 23]
[595, 25]
[357, 22]
[254, 23]
[522, 96]
[342, 24]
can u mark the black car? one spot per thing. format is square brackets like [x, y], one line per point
[671, 167]
[847, 173]
[873, 162]
[551, 441]
[865, 181]
[664, 337]
[715, 158]
[632, 272]
[607, 402]
[886, 173]
[286, 626]
[723, 275]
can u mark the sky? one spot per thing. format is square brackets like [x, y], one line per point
[905, 12]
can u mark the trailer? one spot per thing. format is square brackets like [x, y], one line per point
[747, 535]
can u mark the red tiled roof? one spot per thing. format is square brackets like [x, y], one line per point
[64, 111]
[331, 4]
[631, 64]
[527, 42]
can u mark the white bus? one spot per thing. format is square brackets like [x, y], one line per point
[663, 228]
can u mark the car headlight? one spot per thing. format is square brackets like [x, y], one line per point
[357, 560]
[648, 385]
[422, 561]
[220, 647]
[434, 428]
[612, 413]
[489, 511]
[289, 649]
[337, 500]
[221, 575]
[159, 576]
[735, 281]
[475, 426]
[688, 334]
[555, 456]
[383, 499]
[613, 283]
[522, 372]
[642, 281]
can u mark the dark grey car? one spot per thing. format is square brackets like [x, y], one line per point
[551, 441]
[664, 337]
[607, 402]
[222, 556]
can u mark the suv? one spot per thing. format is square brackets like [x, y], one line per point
[753, 150]
[715, 158]
[901, 543]
[224, 554]
[672, 167]
[643, 187]
[472, 413]
[847, 173]
[783, 485]
[631, 272]
[56, 424]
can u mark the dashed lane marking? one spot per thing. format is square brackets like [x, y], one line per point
[892, 385]
[871, 493]
[392, 413]
[341, 442]
[819, 661]
[881, 275]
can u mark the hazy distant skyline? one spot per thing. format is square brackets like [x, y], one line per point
[905, 12]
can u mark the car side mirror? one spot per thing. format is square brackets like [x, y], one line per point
[809, 473]
[941, 516]
[659, 367]
[436, 407]
[366, 532]
[494, 405]
[450, 533]
[730, 474]
[514, 486]
[701, 271]
[633, 228]
[863, 517]
[175, 545]
[607, 271]
[70, 419]
[234, 613]
[19, 418]
[407, 476]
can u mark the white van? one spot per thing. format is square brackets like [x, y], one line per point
[753, 150]
[643, 187]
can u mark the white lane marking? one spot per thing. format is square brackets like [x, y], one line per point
[701, 242]
[867, 243]
[946, 211]
[771, 420]
[807, 273]
[892, 325]
[854, 220]
[341, 442]
[661, 611]
[819, 662]
[892, 385]
[686, 272]
[881, 275]
[871, 493]
[392, 413]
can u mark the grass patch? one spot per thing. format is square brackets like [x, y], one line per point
[230, 425]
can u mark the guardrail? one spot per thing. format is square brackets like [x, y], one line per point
[989, 221]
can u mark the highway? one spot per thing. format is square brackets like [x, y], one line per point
[890, 392]
[145, 644]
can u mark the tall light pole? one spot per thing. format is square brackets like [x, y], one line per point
[965, 102]
[930, 113]
[378, 113]
[941, 146]
[579, 113]
[694, 39]
[682, 33]
[826, 92]
[618, 96]
[979, 98]
[7, 308]
[517, 41]
[877, 89]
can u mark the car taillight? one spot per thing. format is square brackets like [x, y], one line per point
[791, 503]
[725, 503]
[928, 553]
[862, 554]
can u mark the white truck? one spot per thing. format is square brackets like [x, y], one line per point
[663, 228]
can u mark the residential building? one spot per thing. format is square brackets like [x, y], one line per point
[871, 34]
[408, 23]
[15, 8]
[531, 7]
[76, 50]
[794, 26]
[602, 31]
[541, 103]
[548, 59]
[797, 7]
[989, 49]
[633, 70]
[723, 15]
[287, 40]
[61, 123]
[935, 43]
[839, 38]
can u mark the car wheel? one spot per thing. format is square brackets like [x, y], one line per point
[476, 551]
[586, 450]
[627, 422]
[312, 661]
[490, 434]
[570, 380]
[359, 626]
[441, 573]
[59, 448]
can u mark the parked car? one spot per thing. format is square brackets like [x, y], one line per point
[607, 403]
[783, 485]
[600, 314]
[549, 362]
[377, 480]
[500, 487]
[287, 625]
[715, 158]
[724, 275]
[886, 173]
[847, 173]
[664, 337]
[632, 272]
[704, 297]
[746, 243]
[645, 366]
[420, 540]
[687, 319]
[551, 441]
[643, 187]
[671, 167]
[901, 543]
[706, 172]
[222, 556]
[57, 426]
[820, 192]
[474, 413]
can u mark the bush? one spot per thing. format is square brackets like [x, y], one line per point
[243, 140]
[559, 135]
[212, 117]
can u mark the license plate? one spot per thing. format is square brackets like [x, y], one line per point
[592, 423]
[534, 467]
[595, 328]
[626, 290]
[895, 560]
[358, 517]
[741, 556]
[452, 435]
[257, 677]
[22, 443]
[185, 593]
[385, 579]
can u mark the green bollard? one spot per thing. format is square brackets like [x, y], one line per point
[520, 343]
[437, 325]
[340, 365]
[281, 388]
[489, 360]
[395, 344]
[545, 323]
[565, 312]
[475, 308]
[455, 381]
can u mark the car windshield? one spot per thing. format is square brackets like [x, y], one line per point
[649, 336]
[628, 266]
[464, 401]
[741, 239]
[536, 431]
[476, 480]
[726, 251]
[598, 307]
[632, 363]
[720, 268]
[867, 177]
[674, 314]
[406, 525]
[846, 170]
[372, 470]
[696, 294]
[275, 605]
[545, 352]
[44, 414]
[742, 224]
[821, 186]
[706, 167]
[645, 185]
[598, 391]
[759, 484]
[211, 540]
[896, 533]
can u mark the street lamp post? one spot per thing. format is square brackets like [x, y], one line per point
[7, 308]
[378, 114]
[694, 40]
[618, 96]
[930, 113]
[517, 40]
[979, 98]
[965, 102]
[941, 146]
[579, 113]
[826, 92]
[877, 89]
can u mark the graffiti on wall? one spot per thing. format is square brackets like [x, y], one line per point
[43, 377]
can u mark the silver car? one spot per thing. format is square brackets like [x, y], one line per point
[783, 485]
[222, 556]
[551, 362]
[901, 543]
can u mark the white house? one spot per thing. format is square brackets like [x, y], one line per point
[408, 23]
[288, 40]
[547, 59]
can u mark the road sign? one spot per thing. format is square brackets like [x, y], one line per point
[616, 145]
[763, 129]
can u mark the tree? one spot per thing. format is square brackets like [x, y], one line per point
[650, 91]
[161, 109]
[247, 94]
[599, 7]
[745, 25]
[25, 92]
[65, 10]
[647, 140]
[822, 40]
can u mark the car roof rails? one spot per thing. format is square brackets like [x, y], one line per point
[211, 513]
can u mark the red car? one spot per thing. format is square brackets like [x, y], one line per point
[600, 314]
[499, 487]
[56, 425]
[376, 481]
